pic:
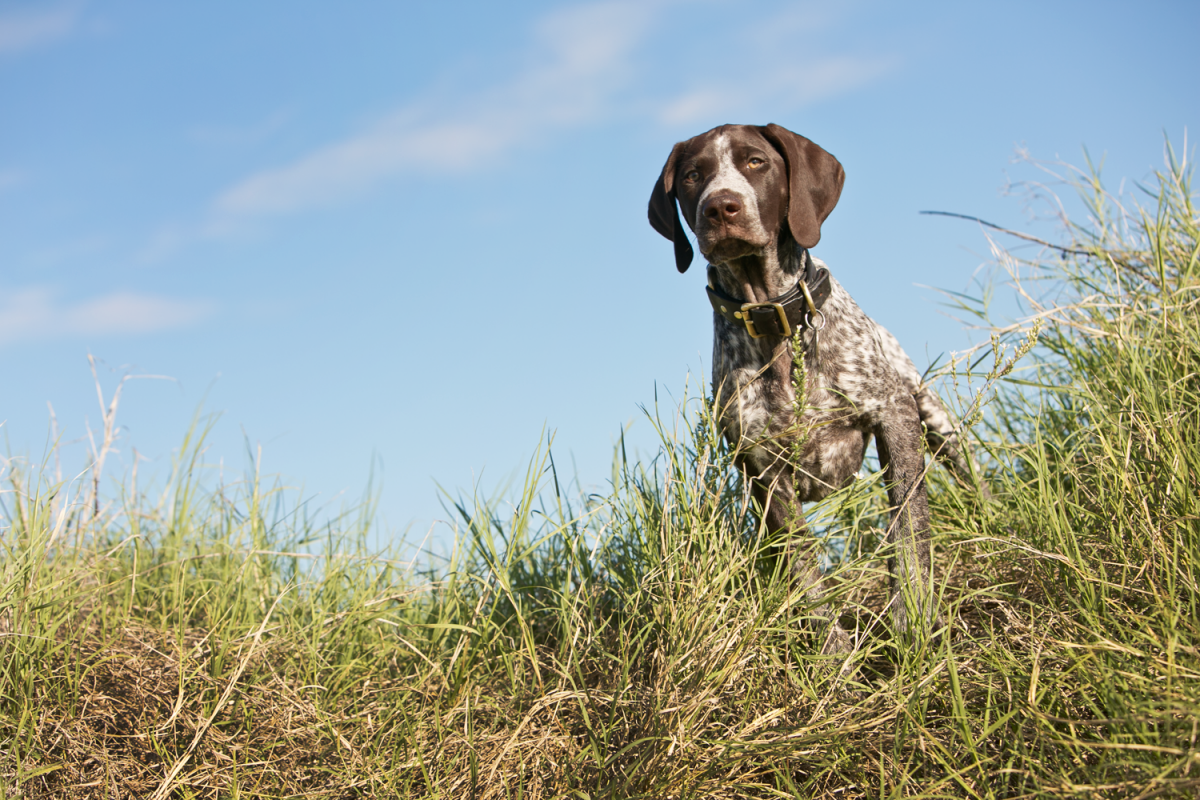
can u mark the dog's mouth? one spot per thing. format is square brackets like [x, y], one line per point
[718, 251]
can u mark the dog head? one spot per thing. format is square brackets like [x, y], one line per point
[740, 187]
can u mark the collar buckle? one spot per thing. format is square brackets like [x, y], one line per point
[747, 315]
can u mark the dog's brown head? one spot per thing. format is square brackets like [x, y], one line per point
[740, 187]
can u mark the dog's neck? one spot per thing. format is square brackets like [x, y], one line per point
[757, 277]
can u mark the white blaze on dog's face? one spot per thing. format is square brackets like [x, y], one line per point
[729, 180]
[732, 190]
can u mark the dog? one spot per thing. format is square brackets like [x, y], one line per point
[755, 198]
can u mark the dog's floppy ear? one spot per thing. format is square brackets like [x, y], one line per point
[815, 181]
[664, 213]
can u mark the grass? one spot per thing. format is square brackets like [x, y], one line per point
[218, 641]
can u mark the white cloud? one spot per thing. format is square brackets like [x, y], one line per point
[789, 61]
[579, 61]
[25, 30]
[36, 313]
[786, 87]
[579, 65]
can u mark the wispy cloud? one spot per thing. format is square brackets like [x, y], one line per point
[783, 87]
[578, 61]
[28, 29]
[807, 52]
[580, 65]
[37, 313]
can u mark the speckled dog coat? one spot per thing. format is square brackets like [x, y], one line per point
[755, 197]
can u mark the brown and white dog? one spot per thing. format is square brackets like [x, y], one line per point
[755, 197]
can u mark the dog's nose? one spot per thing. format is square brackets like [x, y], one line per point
[723, 205]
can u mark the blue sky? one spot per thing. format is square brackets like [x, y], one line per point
[415, 233]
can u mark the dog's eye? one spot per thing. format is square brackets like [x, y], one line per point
[692, 175]
[757, 162]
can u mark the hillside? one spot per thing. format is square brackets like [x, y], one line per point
[216, 641]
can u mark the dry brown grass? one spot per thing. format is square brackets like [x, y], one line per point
[724, 714]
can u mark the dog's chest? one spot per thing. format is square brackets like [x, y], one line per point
[848, 383]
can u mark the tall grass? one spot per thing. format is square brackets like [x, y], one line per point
[216, 641]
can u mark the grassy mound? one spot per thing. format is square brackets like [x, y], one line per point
[217, 642]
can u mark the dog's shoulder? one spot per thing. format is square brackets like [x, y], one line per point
[856, 356]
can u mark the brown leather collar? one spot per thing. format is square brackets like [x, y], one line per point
[796, 309]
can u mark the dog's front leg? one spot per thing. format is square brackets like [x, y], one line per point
[783, 517]
[902, 455]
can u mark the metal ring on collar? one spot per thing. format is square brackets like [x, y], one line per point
[808, 320]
